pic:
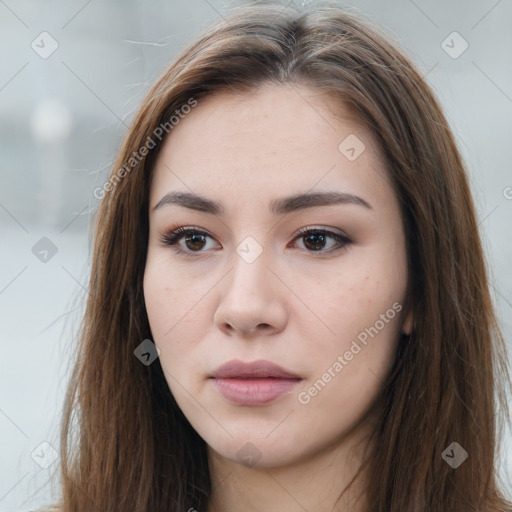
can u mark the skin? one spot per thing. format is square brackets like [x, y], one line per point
[294, 306]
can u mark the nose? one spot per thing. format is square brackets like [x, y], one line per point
[252, 301]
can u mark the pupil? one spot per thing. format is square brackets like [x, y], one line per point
[318, 239]
[195, 240]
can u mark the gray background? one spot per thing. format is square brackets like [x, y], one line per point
[61, 122]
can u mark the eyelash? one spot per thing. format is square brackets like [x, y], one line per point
[172, 237]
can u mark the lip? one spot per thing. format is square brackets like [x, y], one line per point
[255, 383]
[254, 369]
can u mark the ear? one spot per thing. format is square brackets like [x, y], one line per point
[407, 325]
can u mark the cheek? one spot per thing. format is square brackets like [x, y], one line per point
[166, 303]
[349, 370]
[354, 298]
[179, 314]
[157, 301]
[359, 307]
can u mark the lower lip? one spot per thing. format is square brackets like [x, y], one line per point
[254, 391]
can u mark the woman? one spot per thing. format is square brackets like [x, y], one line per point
[289, 307]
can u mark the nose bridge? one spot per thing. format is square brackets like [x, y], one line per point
[250, 262]
[249, 304]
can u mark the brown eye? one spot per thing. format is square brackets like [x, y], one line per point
[315, 240]
[195, 242]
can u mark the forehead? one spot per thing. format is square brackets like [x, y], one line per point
[271, 141]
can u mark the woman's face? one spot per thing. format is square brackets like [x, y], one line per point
[326, 305]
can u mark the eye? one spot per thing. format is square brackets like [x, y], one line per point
[315, 239]
[195, 240]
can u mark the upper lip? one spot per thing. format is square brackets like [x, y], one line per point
[255, 369]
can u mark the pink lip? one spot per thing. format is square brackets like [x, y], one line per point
[253, 391]
[254, 369]
[254, 383]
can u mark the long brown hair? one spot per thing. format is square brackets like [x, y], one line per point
[125, 444]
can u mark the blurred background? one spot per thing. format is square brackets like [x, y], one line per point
[72, 74]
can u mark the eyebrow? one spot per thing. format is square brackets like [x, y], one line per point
[279, 206]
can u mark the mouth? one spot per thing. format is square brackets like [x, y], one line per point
[254, 383]
[254, 391]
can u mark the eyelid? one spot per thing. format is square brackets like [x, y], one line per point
[327, 229]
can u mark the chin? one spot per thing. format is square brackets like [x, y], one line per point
[257, 452]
